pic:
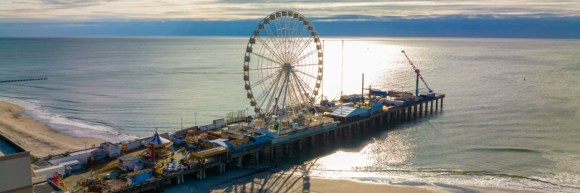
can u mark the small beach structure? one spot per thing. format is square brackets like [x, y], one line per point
[157, 140]
[129, 162]
[158, 147]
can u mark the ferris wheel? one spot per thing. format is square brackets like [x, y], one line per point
[283, 67]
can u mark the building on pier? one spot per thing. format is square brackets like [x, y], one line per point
[15, 173]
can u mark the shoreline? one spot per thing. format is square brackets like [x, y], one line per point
[290, 180]
[37, 137]
[324, 185]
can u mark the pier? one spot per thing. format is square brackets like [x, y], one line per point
[286, 121]
[347, 127]
[311, 137]
[251, 151]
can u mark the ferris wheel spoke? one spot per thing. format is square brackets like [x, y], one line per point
[284, 28]
[291, 97]
[301, 86]
[271, 38]
[298, 37]
[304, 73]
[277, 89]
[299, 89]
[265, 78]
[296, 103]
[280, 49]
[304, 86]
[269, 85]
[286, 38]
[283, 85]
[283, 89]
[306, 65]
[264, 96]
[269, 97]
[266, 58]
[305, 56]
[268, 68]
[302, 81]
[286, 46]
[302, 49]
[302, 65]
[267, 92]
[270, 49]
[292, 37]
[304, 45]
[275, 37]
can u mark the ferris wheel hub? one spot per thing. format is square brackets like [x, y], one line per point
[287, 67]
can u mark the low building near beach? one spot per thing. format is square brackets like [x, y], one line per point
[15, 175]
[113, 150]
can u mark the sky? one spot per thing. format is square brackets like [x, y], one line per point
[446, 18]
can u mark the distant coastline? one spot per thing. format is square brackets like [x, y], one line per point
[359, 26]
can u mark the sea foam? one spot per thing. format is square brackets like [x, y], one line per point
[73, 127]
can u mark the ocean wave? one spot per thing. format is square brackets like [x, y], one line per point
[441, 178]
[70, 126]
[504, 149]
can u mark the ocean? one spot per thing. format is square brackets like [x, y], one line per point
[510, 117]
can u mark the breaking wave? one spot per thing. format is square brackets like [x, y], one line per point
[70, 126]
[451, 180]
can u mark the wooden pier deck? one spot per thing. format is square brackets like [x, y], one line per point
[297, 140]
[347, 127]
[311, 136]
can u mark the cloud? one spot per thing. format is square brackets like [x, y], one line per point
[80, 10]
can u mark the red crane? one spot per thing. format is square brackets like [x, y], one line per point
[418, 72]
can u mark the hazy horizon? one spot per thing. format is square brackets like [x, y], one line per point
[436, 27]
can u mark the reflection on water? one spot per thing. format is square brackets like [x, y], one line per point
[381, 62]
[525, 126]
[390, 152]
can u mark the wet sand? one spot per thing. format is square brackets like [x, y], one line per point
[291, 180]
[338, 186]
[35, 136]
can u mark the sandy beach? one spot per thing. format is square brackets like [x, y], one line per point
[290, 180]
[36, 136]
[294, 183]
[337, 186]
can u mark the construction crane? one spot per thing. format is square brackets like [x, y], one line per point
[23, 80]
[418, 72]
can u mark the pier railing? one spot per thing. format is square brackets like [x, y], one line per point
[236, 116]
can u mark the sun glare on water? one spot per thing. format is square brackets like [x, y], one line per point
[349, 60]
[394, 151]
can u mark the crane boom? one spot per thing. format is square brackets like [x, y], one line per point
[416, 71]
